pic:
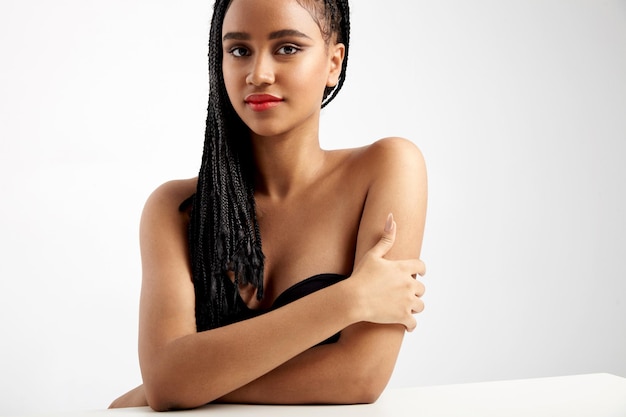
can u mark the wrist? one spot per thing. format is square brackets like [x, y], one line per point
[351, 301]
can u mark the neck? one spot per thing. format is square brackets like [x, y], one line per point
[288, 163]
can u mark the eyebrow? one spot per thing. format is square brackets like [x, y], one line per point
[243, 36]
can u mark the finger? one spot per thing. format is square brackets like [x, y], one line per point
[411, 266]
[410, 324]
[420, 289]
[419, 267]
[418, 306]
[421, 271]
[387, 239]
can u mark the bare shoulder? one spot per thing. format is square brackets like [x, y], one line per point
[162, 207]
[392, 156]
[170, 195]
[394, 150]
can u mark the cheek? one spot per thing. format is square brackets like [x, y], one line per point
[310, 75]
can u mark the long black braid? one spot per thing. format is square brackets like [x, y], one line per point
[224, 237]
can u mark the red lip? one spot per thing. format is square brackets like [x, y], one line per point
[261, 102]
[261, 98]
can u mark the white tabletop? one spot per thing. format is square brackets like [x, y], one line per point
[593, 395]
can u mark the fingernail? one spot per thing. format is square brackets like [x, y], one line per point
[389, 223]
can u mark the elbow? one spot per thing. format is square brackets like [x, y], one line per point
[369, 384]
[367, 396]
[367, 392]
[168, 385]
[160, 389]
[173, 394]
[164, 394]
[159, 399]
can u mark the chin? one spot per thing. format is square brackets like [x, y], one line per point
[266, 129]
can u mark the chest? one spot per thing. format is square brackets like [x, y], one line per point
[312, 234]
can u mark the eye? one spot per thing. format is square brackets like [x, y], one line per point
[288, 50]
[238, 51]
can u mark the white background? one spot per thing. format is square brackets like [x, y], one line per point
[518, 106]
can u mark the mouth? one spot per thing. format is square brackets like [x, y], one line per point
[262, 102]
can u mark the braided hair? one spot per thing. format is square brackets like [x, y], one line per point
[224, 237]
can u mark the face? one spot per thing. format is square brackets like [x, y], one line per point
[276, 65]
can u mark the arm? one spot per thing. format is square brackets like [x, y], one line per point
[357, 368]
[182, 368]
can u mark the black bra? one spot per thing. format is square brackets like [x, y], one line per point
[306, 287]
[293, 293]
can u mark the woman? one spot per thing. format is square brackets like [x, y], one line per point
[226, 318]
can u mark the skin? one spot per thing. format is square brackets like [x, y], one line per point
[318, 211]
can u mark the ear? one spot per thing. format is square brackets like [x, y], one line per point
[337, 53]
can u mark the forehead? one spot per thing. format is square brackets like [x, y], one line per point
[260, 17]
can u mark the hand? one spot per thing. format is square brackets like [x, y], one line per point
[388, 290]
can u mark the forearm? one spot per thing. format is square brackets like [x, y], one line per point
[199, 368]
[354, 370]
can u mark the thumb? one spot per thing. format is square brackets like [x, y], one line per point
[386, 240]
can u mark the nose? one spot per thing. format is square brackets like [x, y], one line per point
[261, 72]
